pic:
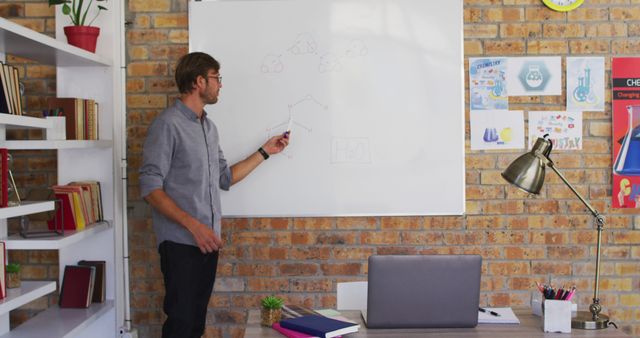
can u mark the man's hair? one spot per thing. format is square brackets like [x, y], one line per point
[191, 66]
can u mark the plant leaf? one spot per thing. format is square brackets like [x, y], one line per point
[57, 2]
[84, 17]
[102, 8]
[66, 9]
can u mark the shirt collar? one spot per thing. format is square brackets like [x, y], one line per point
[187, 112]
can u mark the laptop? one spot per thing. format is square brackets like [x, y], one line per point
[423, 291]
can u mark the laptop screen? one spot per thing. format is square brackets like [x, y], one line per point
[421, 291]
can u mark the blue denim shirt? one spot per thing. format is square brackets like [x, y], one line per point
[182, 156]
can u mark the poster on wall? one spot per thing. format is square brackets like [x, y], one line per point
[626, 132]
[585, 84]
[488, 83]
[497, 129]
[533, 76]
[564, 128]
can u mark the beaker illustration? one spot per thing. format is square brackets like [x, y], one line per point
[582, 91]
[628, 160]
[534, 76]
[490, 135]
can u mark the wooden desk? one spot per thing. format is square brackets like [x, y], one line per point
[530, 326]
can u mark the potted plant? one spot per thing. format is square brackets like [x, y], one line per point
[271, 310]
[80, 34]
[13, 275]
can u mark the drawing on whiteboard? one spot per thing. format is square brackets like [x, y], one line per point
[356, 48]
[291, 124]
[272, 63]
[329, 63]
[304, 44]
[350, 150]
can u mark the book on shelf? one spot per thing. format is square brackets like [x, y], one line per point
[77, 286]
[81, 116]
[92, 197]
[5, 99]
[3, 268]
[80, 205]
[99, 286]
[11, 98]
[73, 197]
[319, 326]
[4, 177]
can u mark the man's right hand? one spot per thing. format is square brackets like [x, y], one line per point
[206, 238]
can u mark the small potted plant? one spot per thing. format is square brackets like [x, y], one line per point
[81, 34]
[13, 275]
[271, 310]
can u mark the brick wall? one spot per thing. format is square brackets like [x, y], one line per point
[34, 171]
[521, 239]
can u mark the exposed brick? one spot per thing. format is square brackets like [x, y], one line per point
[504, 14]
[521, 30]
[149, 5]
[480, 31]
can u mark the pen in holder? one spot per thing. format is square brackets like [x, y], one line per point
[557, 315]
[57, 131]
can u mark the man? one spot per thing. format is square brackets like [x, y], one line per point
[181, 176]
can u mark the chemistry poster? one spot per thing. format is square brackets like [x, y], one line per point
[585, 84]
[497, 129]
[488, 83]
[533, 76]
[626, 132]
[563, 127]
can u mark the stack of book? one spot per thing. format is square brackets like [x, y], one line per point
[81, 116]
[301, 322]
[80, 204]
[10, 95]
[83, 284]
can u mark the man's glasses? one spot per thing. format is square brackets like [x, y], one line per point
[217, 77]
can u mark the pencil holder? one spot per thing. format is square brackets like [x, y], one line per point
[57, 131]
[557, 316]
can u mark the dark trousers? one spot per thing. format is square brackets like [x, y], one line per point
[188, 281]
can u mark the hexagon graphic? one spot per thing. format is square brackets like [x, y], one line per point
[534, 76]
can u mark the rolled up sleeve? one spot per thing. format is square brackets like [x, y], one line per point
[157, 153]
[225, 171]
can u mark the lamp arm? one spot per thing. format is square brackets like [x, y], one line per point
[595, 307]
[593, 211]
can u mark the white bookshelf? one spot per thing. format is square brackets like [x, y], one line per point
[18, 40]
[24, 122]
[17, 242]
[61, 323]
[98, 76]
[26, 208]
[27, 292]
[54, 144]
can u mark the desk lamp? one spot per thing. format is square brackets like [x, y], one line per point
[527, 173]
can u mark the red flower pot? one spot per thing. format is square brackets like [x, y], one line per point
[84, 37]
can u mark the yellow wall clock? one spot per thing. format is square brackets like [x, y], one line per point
[563, 5]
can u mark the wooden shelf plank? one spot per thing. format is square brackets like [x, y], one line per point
[27, 292]
[50, 144]
[26, 208]
[24, 42]
[17, 242]
[60, 323]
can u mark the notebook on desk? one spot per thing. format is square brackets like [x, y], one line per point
[423, 291]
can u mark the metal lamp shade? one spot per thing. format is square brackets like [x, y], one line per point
[527, 171]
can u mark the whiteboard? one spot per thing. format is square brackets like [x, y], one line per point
[375, 93]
